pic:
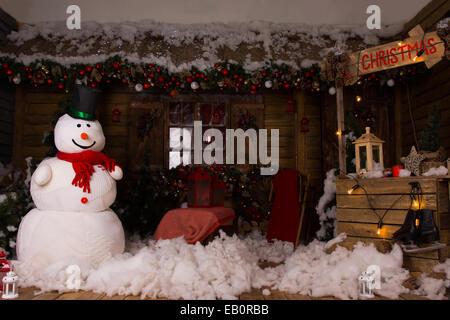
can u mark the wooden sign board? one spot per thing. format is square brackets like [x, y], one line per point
[397, 54]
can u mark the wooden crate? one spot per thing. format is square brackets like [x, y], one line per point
[357, 219]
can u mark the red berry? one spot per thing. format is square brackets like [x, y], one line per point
[188, 79]
[84, 200]
[224, 72]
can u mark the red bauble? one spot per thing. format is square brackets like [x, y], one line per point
[224, 72]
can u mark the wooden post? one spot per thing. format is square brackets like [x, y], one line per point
[341, 127]
[398, 123]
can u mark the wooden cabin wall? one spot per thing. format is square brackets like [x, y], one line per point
[431, 89]
[299, 150]
[6, 121]
[380, 100]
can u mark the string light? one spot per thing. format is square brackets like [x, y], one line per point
[358, 99]
[380, 226]
[350, 191]
[421, 51]
[339, 133]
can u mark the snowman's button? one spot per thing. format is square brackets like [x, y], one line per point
[84, 200]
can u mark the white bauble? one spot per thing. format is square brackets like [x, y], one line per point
[48, 237]
[391, 82]
[68, 135]
[268, 84]
[138, 87]
[332, 91]
[195, 85]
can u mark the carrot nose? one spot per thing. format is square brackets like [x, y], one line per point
[84, 136]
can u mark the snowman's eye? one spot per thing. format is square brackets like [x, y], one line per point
[78, 125]
[88, 125]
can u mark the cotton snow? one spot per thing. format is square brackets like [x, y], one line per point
[224, 269]
[441, 171]
[404, 173]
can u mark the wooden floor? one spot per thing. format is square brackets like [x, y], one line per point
[30, 294]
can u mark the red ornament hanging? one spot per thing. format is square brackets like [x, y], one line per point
[116, 115]
[199, 189]
[304, 125]
[290, 106]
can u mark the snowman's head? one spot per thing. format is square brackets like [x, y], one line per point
[77, 135]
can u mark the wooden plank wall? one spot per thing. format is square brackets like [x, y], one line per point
[276, 117]
[6, 122]
[434, 88]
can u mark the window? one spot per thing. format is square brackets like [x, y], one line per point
[181, 127]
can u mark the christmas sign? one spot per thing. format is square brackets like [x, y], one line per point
[419, 47]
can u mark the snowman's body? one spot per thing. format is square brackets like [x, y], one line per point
[60, 195]
[69, 223]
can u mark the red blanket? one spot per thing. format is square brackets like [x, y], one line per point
[195, 224]
[285, 215]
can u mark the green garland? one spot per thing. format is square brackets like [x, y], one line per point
[224, 76]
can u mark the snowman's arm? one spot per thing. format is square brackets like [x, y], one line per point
[42, 175]
[117, 174]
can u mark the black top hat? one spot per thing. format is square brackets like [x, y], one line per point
[84, 102]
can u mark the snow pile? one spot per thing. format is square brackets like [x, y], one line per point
[276, 252]
[223, 269]
[310, 271]
[96, 42]
[441, 171]
[404, 173]
[431, 288]
[377, 172]
[327, 216]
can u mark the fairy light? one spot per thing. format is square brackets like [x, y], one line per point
[350, 191]
[358, 99]
[339, 133]
[421, 51]
[380, 226]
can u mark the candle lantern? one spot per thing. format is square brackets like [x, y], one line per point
[199, 189]
[304, 125]
[368, 150]
[10, 288]
[366, 285]
[218, 193]
[116, 115]
[290, 106]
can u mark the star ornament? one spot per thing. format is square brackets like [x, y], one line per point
[413, 160]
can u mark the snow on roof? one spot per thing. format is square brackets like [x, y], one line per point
[180, 47]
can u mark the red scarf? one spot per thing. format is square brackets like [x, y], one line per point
[83, 165]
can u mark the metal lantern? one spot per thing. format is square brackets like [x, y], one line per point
[116, 115]
[10, 288]
[366, 285]
[368, 150]
[199, 189]
[290, 106]
[218, 193]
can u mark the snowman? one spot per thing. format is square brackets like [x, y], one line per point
[72, 192]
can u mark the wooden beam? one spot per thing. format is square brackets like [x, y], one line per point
[341, 127]
[398, 123]
[422, 15]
